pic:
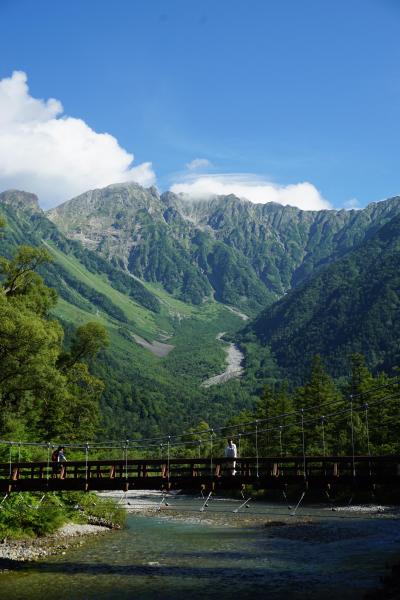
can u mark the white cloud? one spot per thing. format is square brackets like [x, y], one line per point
[353, 203]
[244, 185]
[198, 163]
[54, 155]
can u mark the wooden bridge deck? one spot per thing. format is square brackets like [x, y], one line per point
[194, 474]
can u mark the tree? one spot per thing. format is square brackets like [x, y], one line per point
[48, 391]
[88, 340]
[320, 399]
[29, 349]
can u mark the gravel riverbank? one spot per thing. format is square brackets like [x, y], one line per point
[13, 551]
[234, 360]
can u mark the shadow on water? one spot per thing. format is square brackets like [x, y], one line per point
[133, 570]
[159, 558]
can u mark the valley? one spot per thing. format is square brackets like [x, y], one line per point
[166, 275]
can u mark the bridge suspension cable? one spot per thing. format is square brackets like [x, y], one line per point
[179, 439]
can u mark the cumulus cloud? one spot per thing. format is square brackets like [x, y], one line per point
[55, 155]
[198, 163]
[304, 195]
[353, 203]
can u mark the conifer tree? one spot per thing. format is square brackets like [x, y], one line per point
[319, 398]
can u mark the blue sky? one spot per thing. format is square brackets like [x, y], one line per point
[271, 94]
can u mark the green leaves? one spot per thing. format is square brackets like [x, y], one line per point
[19, 273]
[49, 391]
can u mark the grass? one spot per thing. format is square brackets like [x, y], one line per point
[141, 318]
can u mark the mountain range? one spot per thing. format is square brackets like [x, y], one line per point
[166, 269]
[240, 253]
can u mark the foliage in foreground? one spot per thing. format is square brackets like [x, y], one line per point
[43, 388]
[35, 515]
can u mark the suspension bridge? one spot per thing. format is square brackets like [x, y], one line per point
[311, 472]
[196, 462]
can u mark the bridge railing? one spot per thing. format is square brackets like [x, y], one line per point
[158, 473]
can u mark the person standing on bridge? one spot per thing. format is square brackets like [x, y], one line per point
[60, 454]
[231, 452]
[61, 459]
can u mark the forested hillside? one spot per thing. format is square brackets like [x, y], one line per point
[359, 413]
[143, 393]
[351, 306]
[335, 271]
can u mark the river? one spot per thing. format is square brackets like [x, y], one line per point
[183, 553]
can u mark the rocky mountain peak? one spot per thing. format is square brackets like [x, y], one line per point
[20, 200]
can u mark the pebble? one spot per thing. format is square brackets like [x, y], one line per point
[13, 551]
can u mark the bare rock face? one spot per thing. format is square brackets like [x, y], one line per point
[109, 219]
[20, 200]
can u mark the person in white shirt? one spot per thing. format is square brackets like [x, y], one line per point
[231, 452]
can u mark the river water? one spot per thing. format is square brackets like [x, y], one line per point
[181, 552]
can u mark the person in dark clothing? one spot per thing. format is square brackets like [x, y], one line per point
[57, 457]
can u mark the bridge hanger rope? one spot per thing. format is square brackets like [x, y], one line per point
[280, 439]
[48, 464]
[367, 428]
[211, 452]
[352, 435]
[10, 462]
[168, 457]
[86, 462]
[126, 458]
[303, 442]
[323, 434]
[257, 470]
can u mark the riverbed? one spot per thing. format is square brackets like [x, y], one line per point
[180, 552]
[234, 360]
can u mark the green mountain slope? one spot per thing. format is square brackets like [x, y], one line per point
[25, 218]
[147, 235]
[151, 267]
[145, 393]
[243, 254]
[353, 306]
